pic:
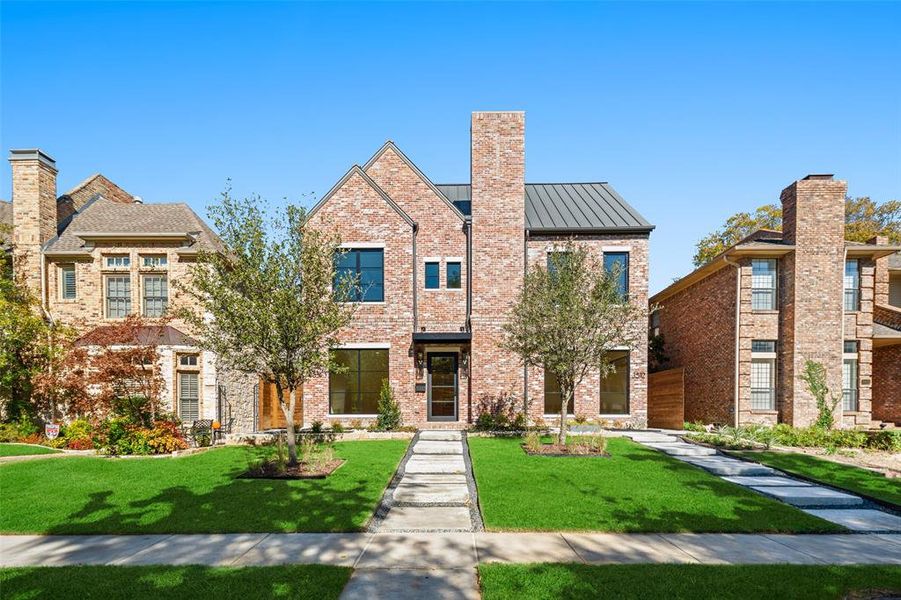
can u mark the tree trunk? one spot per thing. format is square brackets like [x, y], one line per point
[287, 406]
[564, 404]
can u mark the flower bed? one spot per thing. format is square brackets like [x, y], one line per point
[594, 445]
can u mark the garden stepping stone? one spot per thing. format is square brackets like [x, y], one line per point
[427, 518]
[683, 449]
[446, 478]
[809, 495]
[429, 447]
[434, 464]
[441, 436]
[423, 494]
[719, 465]
[765, 481]
[859, 519]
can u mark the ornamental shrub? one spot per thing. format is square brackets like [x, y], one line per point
[888, 440]
[78, 429]
[165, 438]
[498, 412]
[9, 432]
[389, 417]
[80, 444]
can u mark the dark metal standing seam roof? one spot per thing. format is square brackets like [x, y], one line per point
[565, 207]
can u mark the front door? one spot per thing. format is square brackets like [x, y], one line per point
[442, 386]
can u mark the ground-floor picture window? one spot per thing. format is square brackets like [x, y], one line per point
[355, 391]
[553, 398]
[615, 386]
[188, 397]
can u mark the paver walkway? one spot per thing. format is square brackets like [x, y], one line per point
[843, 508]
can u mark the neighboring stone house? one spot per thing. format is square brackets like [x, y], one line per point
[440, 267]
[97, 254]
[803, 293]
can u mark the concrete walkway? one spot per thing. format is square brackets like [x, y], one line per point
[842, 508]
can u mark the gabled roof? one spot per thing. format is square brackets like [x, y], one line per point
[103, 218]
[389, 145]
[566, 207]
[356, 170]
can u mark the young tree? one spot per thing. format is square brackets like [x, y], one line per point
[265, 303]
[569, 317]
[864, 219]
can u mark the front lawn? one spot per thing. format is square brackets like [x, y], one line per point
[200, 493]
[832, 473]
[637, 489]
[723, 582]
[307, 582]
[24, 450]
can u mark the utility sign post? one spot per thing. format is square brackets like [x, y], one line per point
[51, 430]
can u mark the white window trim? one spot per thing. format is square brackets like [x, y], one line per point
[763, 355]
[458, 259]
[352, 245]
[616, 248]
[61, 284]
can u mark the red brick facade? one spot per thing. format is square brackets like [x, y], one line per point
[698, 318]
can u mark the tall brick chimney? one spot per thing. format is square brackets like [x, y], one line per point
[498, 243]
[34, 210]
[813, 219]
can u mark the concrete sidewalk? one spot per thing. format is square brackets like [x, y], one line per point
[450, 551]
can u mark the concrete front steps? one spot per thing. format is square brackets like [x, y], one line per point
[842, 508]
[433, 493]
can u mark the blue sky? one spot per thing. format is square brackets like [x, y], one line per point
[691, 111]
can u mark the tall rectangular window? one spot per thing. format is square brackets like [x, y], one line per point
[188, 397]
[67, 282]
[156, 295]
[763, 284]
[454, 276]
[431, 276]
[616, 264]
[850, 376]
[553, 397]
[367, 266]
[615, 386]
[118, 297]
[852, 284]
[356, 390]
[763, 374]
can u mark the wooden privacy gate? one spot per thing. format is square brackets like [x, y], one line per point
[270, 412]
[666, 399]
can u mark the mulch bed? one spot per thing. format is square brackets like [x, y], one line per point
[301, 471]
[558, 450]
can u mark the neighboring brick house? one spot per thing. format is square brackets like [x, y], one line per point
[97, 253]
[803, 293]
[440, 267]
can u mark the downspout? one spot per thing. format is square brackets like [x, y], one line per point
[525, 368]
[415, 305]
[737, 333]
[841, 404]
[467, 223]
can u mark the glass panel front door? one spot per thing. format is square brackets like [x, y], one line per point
[443, 387]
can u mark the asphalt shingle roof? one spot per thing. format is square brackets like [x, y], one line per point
[106, 216]
[564, 207]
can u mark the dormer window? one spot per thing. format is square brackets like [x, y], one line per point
[118, 262]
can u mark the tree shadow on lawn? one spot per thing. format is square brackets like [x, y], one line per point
[188, 582]
[236, 506]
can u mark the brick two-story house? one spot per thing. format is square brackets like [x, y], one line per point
[440, 267]
[97, 254]
[743, 325]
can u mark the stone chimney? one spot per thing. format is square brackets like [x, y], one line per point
[34, 210]
[813, 220]
[498, 238]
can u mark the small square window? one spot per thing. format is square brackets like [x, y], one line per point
[763, 345]
[851, 346]
[431, 276]
[454, 276]
[117, 262]
[187, 360]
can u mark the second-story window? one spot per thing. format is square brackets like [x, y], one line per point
[367, 267]
[556, 261]
[118, 296]
[431, 276]
[852, 284]
[67, 282]
[616, 264]
[155, 261]
[763, 284]
[156, 295]
[118, 262]
[454, 276]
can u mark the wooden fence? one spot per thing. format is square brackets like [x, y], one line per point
[666, 399]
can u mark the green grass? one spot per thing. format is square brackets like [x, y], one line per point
[199, 493]
[24, 450]
[847, 477]
[309, 582]
[673, 582]
[635, 490]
